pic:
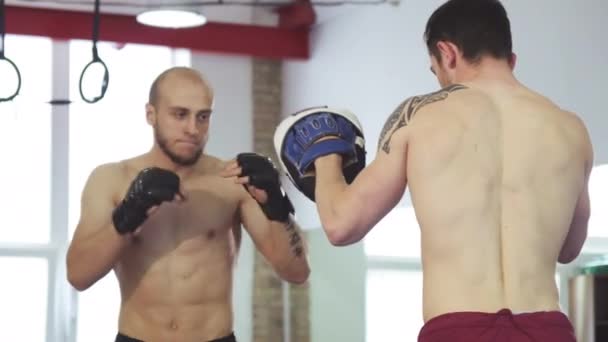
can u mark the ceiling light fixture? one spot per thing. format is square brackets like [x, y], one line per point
[171, 18]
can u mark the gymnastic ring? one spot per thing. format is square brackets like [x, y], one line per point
[4, 99]
[104, 84]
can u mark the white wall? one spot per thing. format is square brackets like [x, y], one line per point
[231, 132]
[371, 58]
[561, 56]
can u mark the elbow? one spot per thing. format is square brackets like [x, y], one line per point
[565, 260]
[566, 257]
[296, 276]
[568, 254]
[76, 279]
[339, 235]
[299, 278]
[78, 283]
[573, 245]
[337, 239]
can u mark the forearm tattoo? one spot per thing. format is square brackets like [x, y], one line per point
[407, 109]
[295, 241]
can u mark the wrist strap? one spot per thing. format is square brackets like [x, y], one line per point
[278, 206]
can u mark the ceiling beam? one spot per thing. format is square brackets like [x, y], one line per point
[298, 14]
[228, 38]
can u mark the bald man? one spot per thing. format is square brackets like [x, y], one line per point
[168, 223]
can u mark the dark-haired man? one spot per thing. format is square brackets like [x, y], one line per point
[498, 176]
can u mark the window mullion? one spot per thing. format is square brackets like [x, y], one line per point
[394, 263]
[59, 304]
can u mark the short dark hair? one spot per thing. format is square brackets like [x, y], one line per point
[477, 27]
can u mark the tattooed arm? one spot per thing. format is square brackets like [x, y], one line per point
[280, 243]
[349, 212]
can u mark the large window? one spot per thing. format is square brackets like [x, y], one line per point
[44, 145]
[598, 193]
[397, 235]
[111, 130]
[393, 304]
[24, 312]
[25, 134]
[27, 234]
[394, 278]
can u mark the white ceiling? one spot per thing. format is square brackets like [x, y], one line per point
[261, 12]
[214, 12]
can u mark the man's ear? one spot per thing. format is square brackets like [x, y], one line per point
[150, 114]
[513, 61]
[449, 52]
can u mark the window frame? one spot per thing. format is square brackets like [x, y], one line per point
[62, 299]
[58, 306]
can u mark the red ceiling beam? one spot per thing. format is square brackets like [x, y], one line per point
[298, 14]
[250, 40]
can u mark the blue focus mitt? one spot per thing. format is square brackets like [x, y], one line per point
[298, 141]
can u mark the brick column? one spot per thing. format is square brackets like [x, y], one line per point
[267, 289]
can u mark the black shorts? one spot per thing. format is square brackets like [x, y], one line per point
[124, 338]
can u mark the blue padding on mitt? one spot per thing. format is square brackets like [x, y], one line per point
[302, 145]
[323, 148]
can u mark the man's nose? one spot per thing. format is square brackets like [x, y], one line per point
[192, 127]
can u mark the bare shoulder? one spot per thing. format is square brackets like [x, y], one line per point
[104, 182]
[215, 164]
[405, 112]
[571, 123]
[537, 101]
[577, 127]
[132, 166]
[107, 173]
[574, 119]
[116, 176]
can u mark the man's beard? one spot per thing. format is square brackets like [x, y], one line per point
[177, 159]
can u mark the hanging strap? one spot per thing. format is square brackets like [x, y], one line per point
[6, 59]
[96, 59]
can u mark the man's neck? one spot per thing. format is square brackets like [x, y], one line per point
[487, 70]
[160, 159]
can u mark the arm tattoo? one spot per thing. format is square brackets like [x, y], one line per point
[294, 239]
[407, 109]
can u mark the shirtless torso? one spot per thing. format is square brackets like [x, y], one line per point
[498, 177]
[175, 274]
[176, 277]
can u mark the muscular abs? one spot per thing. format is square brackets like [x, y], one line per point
[176, 276]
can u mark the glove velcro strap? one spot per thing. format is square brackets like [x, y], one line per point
[278, 206]
[323, 148]
[127, 217]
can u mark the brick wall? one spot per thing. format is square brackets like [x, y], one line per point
[267, 289]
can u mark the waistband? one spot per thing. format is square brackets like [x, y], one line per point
[124, 338]
[530, 320]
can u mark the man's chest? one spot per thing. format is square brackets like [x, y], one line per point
[210, 207]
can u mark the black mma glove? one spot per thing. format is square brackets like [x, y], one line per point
[151, 187]
[263, 175]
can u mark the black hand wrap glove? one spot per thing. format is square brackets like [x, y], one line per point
[263, 175]
[151, 187]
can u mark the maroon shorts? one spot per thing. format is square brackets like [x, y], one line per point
[503, 326]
